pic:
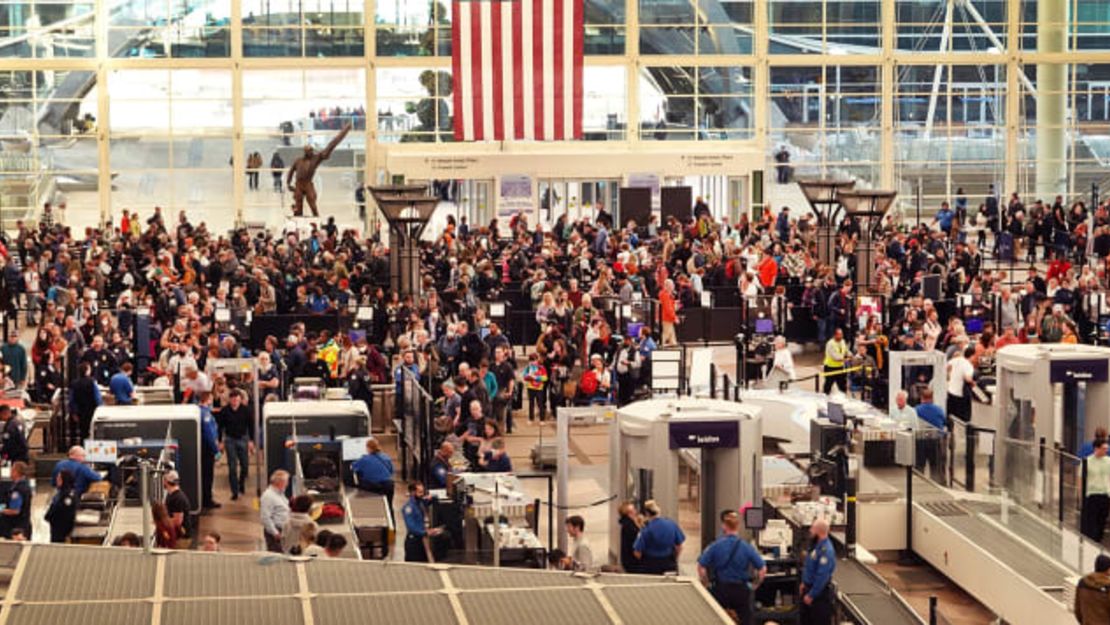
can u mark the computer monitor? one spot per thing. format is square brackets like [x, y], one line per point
[835, 411]
[973, 325]
[754, 519]
[764, 326]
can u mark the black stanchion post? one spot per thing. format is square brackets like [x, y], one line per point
[741, 360]
[909, 508]
[403, 446]
[969, 462]
[1060, 482]
[550, 512]
[1083, 497]
[932, 610]
[712, 380]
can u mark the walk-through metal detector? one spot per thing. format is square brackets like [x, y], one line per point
[1052, 394]
[725, 438]
[915, 371]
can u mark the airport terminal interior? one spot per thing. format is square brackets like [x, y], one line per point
[318, 312]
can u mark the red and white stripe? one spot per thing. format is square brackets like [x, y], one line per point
[517, 67]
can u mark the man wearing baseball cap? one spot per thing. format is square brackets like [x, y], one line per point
[177, 502]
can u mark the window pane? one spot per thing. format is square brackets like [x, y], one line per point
[413, 103]
[413, 28]
[666, 40]
[667, 12]
[604, 103]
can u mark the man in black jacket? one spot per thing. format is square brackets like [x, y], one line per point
[13, 438]
[237, 440]
[84, 398]
[471, 347]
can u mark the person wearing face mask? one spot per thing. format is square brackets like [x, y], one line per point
[449, 349]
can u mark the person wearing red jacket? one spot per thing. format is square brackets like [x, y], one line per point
[768, 271]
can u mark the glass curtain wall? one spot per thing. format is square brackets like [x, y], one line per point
[193, 105]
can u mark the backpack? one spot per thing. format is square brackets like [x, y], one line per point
[588, 385]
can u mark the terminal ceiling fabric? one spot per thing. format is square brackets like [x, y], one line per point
[517, 67]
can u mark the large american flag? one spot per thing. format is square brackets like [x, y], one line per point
[518, 69]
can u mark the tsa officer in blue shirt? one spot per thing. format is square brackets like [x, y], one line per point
[817, 599]
[441, 465]
[415, 512]
[375, 471]
[210, 449]
[17, 509]
[75, 464]
[659, 543]
[730, 560]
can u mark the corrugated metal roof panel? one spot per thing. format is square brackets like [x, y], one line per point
[269, 611]
[117, 613]
[348, 576]
[424, 609]
[665, 604]
[208, 575]
[613, 579]
[58, 573]
[483, 578]
[571, 605]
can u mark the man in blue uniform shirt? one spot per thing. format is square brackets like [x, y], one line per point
[17, 509]
[75, 464]
[659, 543]
[817, 596]
[210, 450]
[120, 385]
[726, 565]
[414, 512]
[374, 471]
[441, 465]
[929, 412]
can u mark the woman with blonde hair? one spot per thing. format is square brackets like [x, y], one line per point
[660, 541]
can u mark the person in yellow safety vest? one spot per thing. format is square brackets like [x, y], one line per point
[836, 353]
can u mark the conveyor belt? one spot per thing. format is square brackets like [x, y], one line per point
[1013, 553]
[1047, 540]
[1027, 562]
[867, 596]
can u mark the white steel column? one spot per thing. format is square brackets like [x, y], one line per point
[238, 164]
[886, 174]
[761, 85]
[1014, 95]
[633, 69]
[369, 166]
[103, 115]
[1052, 99]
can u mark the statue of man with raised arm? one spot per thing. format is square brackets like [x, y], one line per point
[303, 170]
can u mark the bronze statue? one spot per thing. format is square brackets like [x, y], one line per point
[304, 168]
